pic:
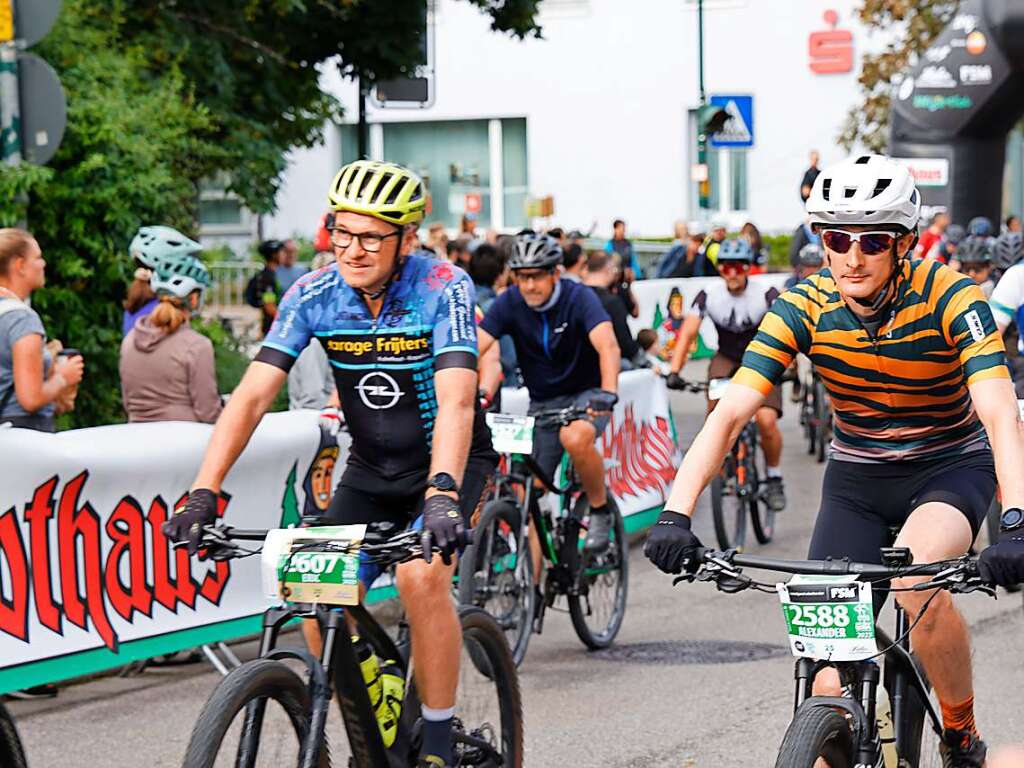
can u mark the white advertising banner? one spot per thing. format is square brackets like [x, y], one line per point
[85, 570]
[640, 437]
[663, 303]
[88, 581]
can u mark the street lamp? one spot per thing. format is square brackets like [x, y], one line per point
[710, 119]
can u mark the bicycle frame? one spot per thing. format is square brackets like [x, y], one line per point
[864, 677]
[337, 671]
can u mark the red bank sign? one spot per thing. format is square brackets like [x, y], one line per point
[830, 50]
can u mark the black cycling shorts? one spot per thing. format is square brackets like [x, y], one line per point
[390, 514]
[864, 505]
[547, 441]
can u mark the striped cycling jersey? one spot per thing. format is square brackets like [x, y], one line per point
[900, 396]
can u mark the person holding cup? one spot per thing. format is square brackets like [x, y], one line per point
[31, 379]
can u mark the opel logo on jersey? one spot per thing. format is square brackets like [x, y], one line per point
[378, 391]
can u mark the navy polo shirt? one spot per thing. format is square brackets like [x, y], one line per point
[553, 346]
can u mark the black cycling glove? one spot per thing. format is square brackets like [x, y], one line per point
[1002, 563]
[442, 527]
[673, 381]
[186, 524]
[602, 400]
[671, 545]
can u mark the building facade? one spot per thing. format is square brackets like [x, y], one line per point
[600, 115]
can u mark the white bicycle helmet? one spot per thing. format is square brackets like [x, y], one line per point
[865, 190]
[151, 244]
[180, 276]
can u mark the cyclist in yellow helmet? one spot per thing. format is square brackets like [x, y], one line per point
[399, 330]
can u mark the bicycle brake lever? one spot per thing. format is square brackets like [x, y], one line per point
[687, 577]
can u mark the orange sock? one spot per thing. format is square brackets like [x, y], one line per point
[959, 717]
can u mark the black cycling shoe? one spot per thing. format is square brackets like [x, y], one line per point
[775, 494]
[598, 530]
[962, 749]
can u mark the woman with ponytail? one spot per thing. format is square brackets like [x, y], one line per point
[167, 369]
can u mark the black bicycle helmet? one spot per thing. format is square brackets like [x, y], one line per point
[974, 250]
[1008, 249]
[811, 255]
[533, 251]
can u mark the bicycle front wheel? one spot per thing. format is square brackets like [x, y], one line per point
[496, 576]
[258, 716]
[488, 727]
[762, 517]
[597, 598]
[816, 733]
[822, 420]
[11, 752]
[728, 510]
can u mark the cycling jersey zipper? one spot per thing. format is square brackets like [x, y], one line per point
[544, 320]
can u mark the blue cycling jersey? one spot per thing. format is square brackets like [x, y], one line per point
[384, 367]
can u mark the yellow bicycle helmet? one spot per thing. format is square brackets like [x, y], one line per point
[385, 191]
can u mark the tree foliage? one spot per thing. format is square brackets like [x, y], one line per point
[127, 158]
[911, 25]
[255, 65]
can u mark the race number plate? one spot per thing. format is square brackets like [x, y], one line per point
[716, 388]
[829, 617]
[314, 565]
[511, 434]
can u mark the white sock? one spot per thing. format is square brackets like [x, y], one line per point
[437, 715]
[774, 472]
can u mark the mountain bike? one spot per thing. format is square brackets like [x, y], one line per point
[263, 713]
[12, 755]
[816, 414]
[497, 572]
[887, 716]
[737, 491]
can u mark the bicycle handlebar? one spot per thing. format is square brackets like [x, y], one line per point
[218, 541]
[689, 386]
[725, 569]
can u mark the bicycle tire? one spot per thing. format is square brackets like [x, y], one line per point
[255, 680]
[762, 517]
[816, 732]
[12, 754]
[588, 571]
[822, 419]
[484, 581]
[737, 535]
[491, 658]
[807, 419]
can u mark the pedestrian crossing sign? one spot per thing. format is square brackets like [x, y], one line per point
[738, 130]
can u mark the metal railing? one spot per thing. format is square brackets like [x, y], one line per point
[228, 280]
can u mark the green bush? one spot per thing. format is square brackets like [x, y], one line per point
[778, 250]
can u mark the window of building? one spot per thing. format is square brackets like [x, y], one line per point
[459, 165]
[221, 212]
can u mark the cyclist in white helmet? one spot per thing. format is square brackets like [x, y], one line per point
[925, 417]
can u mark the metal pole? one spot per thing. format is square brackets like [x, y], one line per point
[10, 100]
[700, 50]
[703, 187]
[362, 129]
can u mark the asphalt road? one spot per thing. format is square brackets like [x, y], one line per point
[697, 678]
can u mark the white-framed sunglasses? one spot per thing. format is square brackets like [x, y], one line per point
[871, 243]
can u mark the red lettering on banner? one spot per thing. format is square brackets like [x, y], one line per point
[214, 583]
[183, 588]
[646, 455]
[831, 51]
[126, 527]
[81, 525]
[122, 580]
[13, 609]
[39, 516]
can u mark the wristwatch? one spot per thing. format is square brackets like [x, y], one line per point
[442, 481]
[1012, 519]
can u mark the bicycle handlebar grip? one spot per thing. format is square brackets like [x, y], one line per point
[465, 538]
